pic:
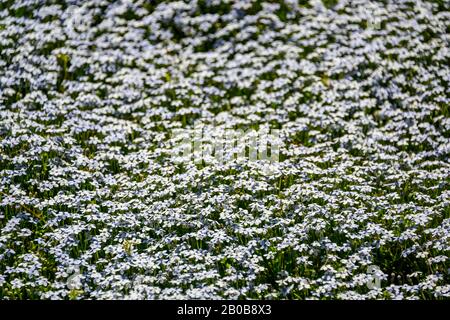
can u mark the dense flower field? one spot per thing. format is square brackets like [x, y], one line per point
[93, 205]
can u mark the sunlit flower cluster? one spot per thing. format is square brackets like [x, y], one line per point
[94, 206]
